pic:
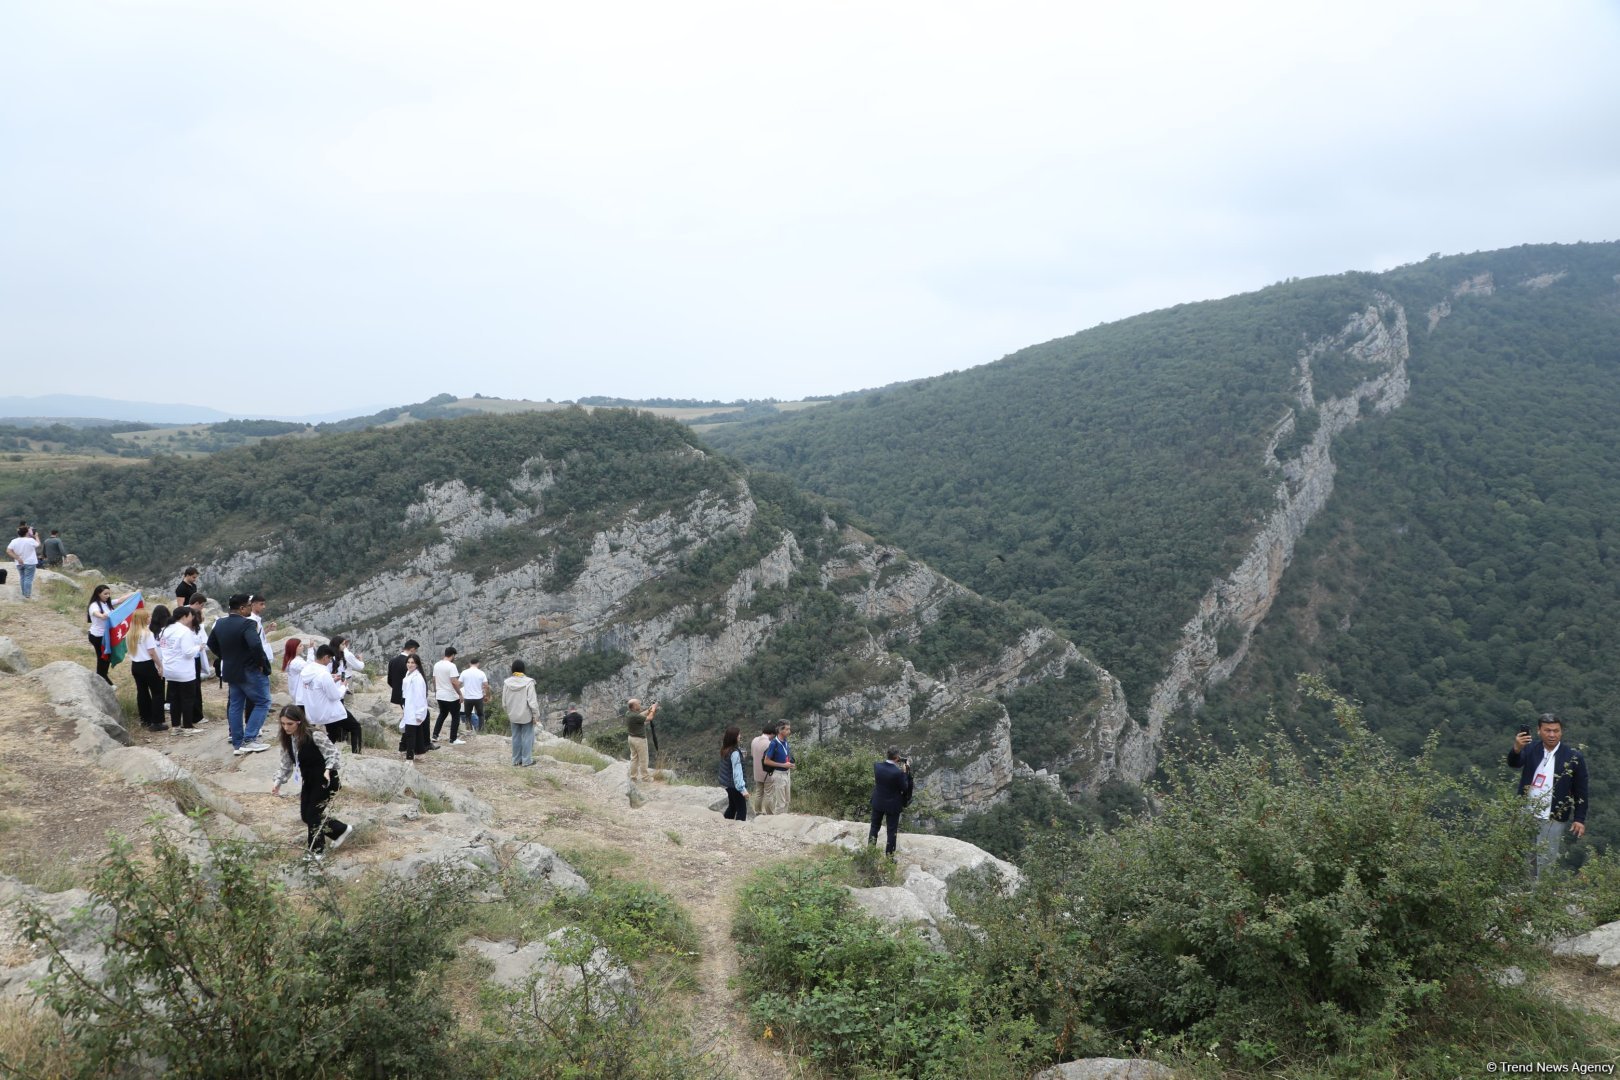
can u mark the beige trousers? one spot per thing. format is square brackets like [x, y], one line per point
[777, 793]
[756, 797]
[638, 759]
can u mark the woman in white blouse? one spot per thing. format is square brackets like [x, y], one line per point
[293, 664]
[413, 738]
[143, 665]
[177, 655]
[95, 613]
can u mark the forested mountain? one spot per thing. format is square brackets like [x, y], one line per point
[617, 557]
[1463, 575]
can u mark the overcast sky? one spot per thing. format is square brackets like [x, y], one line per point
[287, 207]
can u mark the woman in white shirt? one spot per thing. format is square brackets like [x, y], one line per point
[177, 654]
[343, 661]
[143, 665]
[293, 664]
[96, 613]
[413, 731]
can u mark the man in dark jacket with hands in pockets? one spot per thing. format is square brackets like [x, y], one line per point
[890, 795]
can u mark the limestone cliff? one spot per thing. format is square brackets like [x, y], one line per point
[1375, 343]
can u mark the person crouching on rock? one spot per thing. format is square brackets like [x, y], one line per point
[316, 759]
[413, 731]
[522, 705]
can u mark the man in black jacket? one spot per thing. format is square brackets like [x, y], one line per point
[890, 794]
[244, 665]
[1553, 777]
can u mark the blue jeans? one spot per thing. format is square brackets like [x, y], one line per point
[25, 579]
[523, 744]
[252, 695]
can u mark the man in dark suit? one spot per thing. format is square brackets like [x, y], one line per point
[244, 665]
[890, 794]
[1553, 777]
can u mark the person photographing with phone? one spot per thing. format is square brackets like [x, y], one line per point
[1552, 776]
[891, 794]
[637, 725]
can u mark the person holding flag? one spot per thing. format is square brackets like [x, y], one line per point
[109, 623]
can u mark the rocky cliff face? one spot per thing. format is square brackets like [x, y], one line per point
[1374, 343]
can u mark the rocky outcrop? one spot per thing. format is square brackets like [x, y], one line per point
[1601, 946]
[566, 971]
[80, 698]
[1375, 342]
[1107, 1069]
[1541, 281]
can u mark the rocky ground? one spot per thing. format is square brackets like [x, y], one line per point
[71, 773]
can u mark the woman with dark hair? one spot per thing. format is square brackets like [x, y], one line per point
[177, 654]
[308, 750]
[730, 775]
[342, 662]
[95, 613]
[413, 729]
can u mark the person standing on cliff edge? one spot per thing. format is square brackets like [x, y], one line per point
[636, 725]
[1553, 777]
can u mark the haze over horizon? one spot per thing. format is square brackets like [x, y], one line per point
[311, 208]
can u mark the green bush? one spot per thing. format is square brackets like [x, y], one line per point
[213, 970]
[1313, 902]
[860, 1000]
[834, 779]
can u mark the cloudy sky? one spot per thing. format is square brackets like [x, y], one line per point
[288, 207]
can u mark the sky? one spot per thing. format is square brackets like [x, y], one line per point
[295, 208]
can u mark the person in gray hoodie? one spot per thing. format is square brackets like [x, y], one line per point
[522, 707]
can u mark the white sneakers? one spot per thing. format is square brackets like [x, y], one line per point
[249, 748]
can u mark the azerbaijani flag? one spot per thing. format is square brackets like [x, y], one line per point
[113, 647]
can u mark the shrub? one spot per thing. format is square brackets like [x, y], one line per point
[835, 779]
[211, 970]
[858, 999]
[1313, 901]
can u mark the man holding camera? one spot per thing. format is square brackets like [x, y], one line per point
[1553, 777]
[890, 794]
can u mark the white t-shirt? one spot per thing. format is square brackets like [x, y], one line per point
[1541, 788]
[144, 648]
[98, 613]
[25, 549]
[473, 681]
[443, 672]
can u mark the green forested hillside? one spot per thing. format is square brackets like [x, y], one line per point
[336, 505]
[1102, 479]
[1465, 573]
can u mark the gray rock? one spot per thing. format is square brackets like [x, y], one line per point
[898, 907]
[1107, 1069]
[81, 698]
[475, 853]
[1601, 946]
[568, 969]
[80, 937]
[536, 862]
[12, 659]
[386, 778]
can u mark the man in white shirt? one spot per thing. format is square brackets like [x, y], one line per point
[473, 681]
[1553, 778]
[256, 613]
[25, 549]
[447, 692]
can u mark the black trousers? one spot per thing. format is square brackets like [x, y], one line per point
[347, 726]
[312, 808]
[185, 703]
[414, 739]
[103, 663]
[148, 693]
[889, 817]
[452, 709]
[736, 805]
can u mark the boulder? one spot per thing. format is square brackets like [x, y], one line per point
[81, 698]
[475, 853]
[1601, 946]
[72, 562]
[143, 765]
[555, 973]
[12, 659]
[536, 862]
[898, 907]
[385, 778]
[1107, 1069]
[20, 961]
